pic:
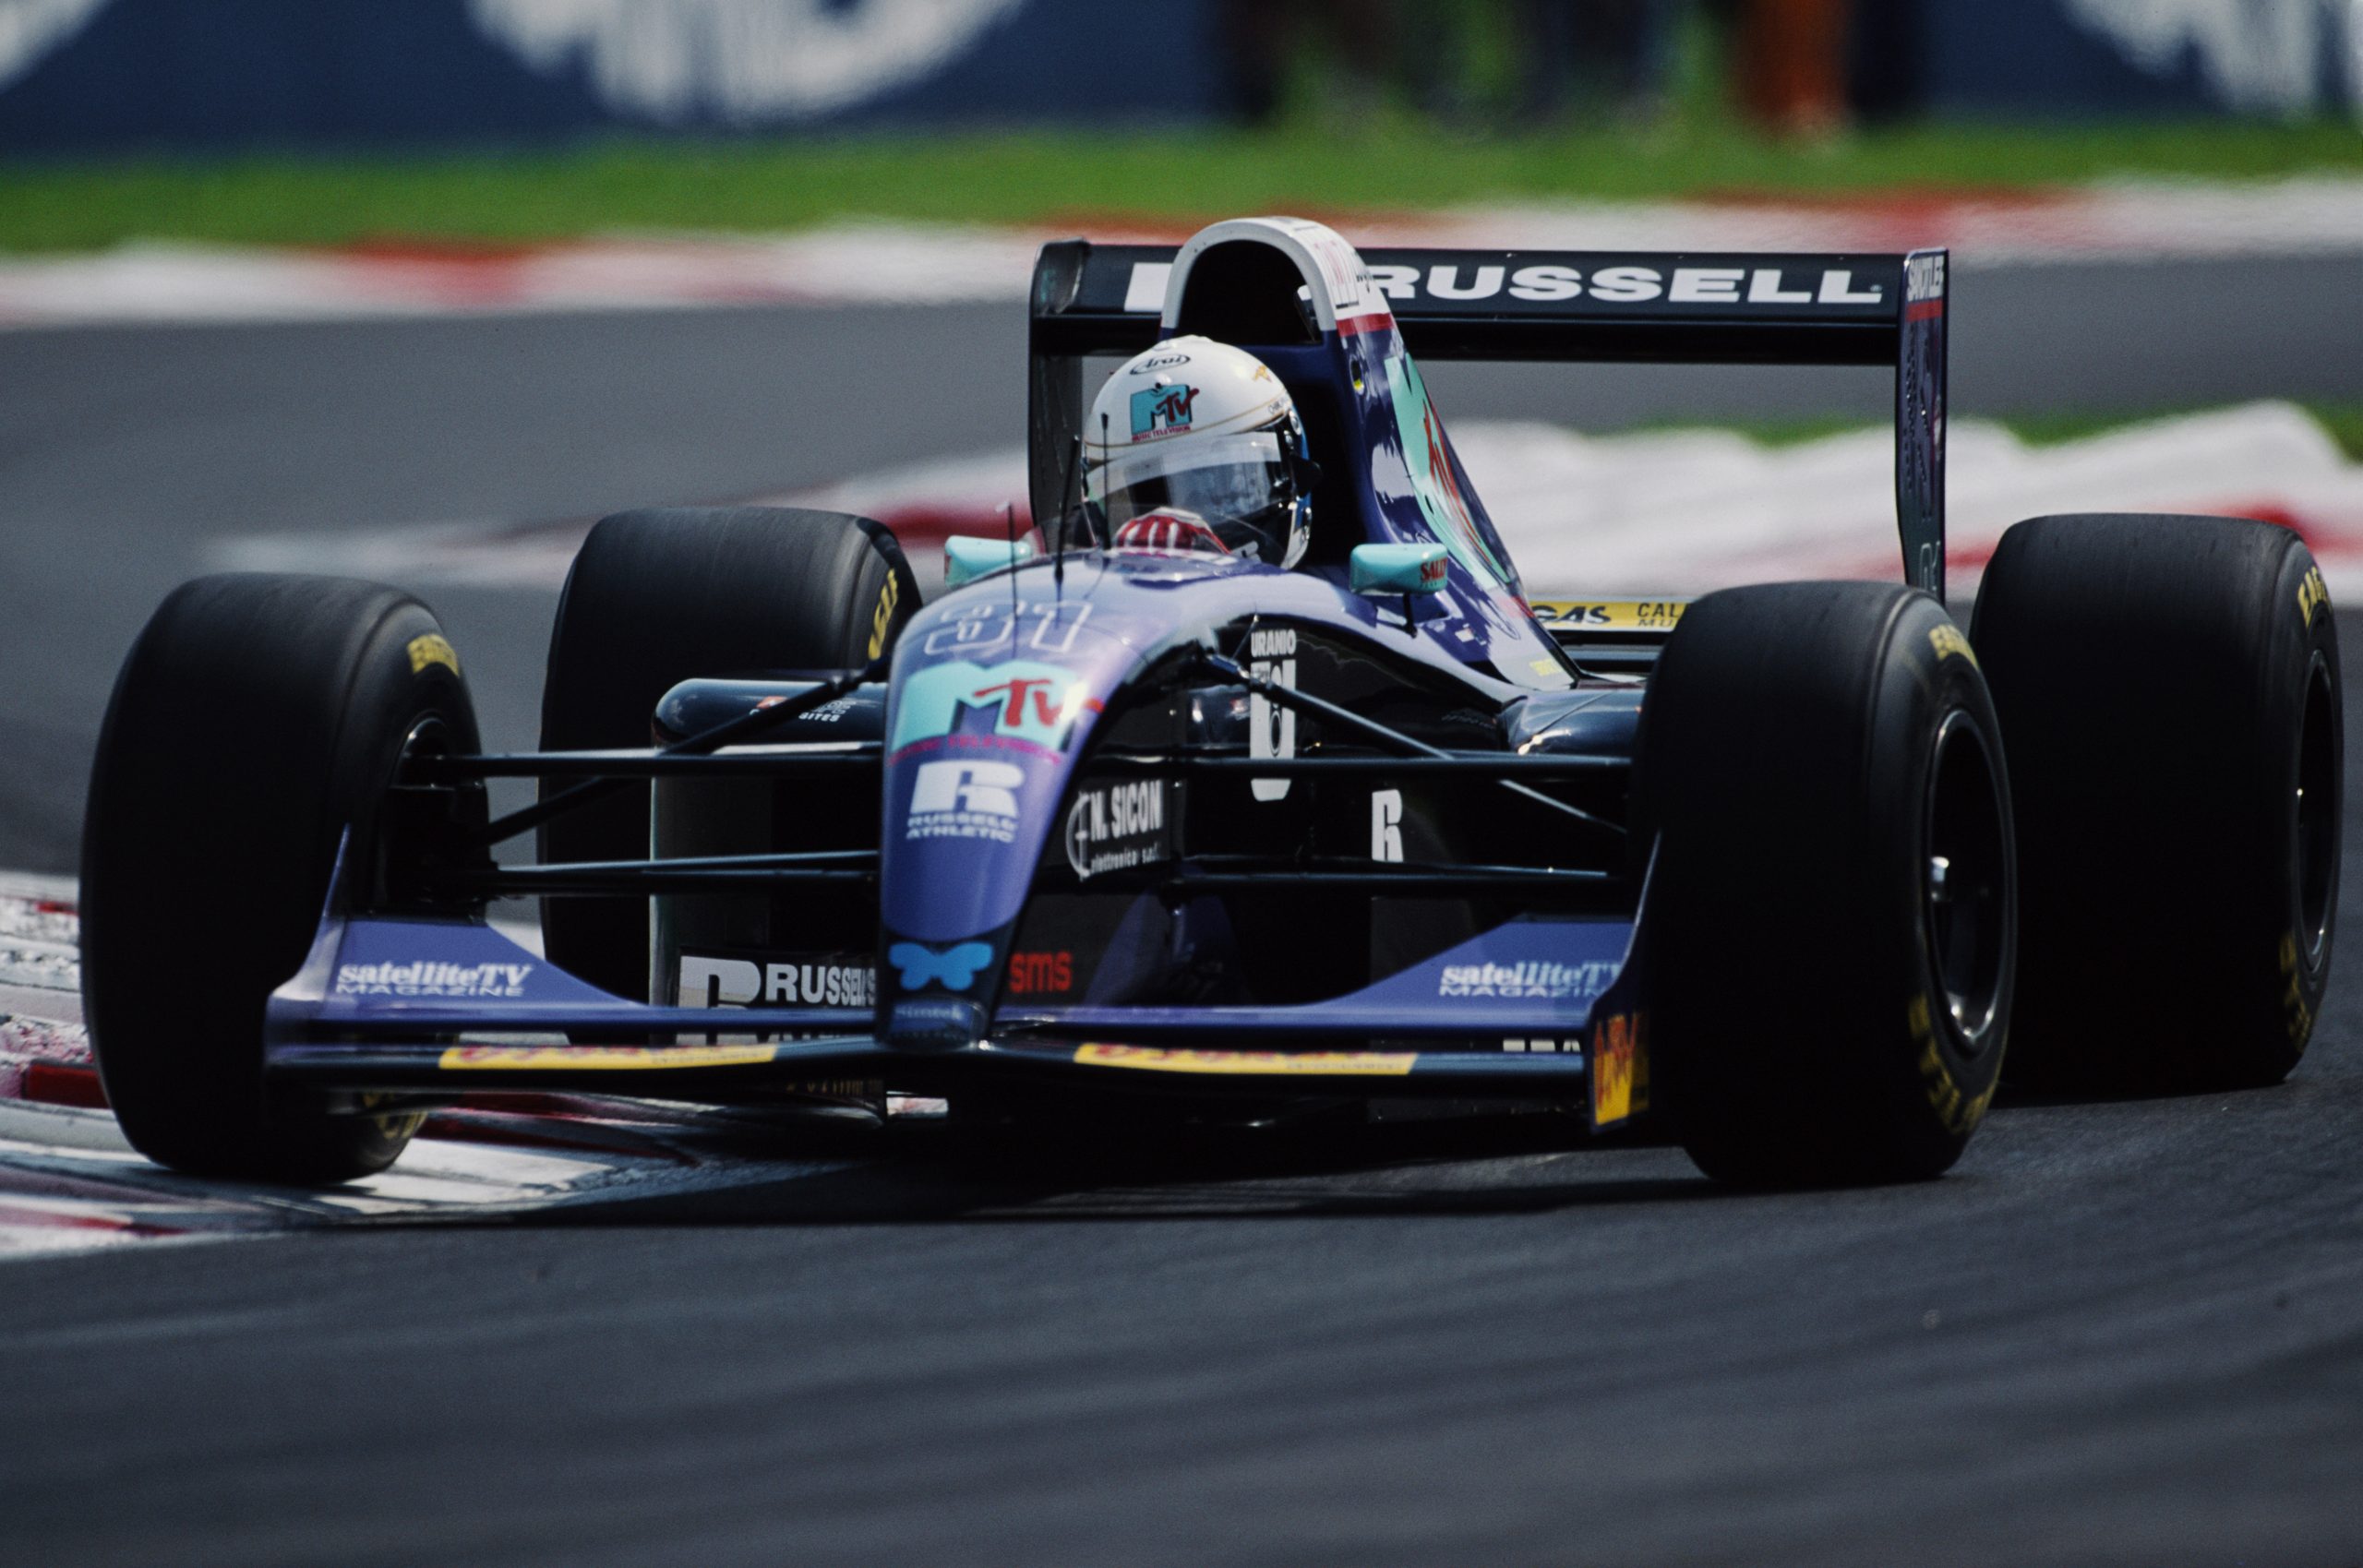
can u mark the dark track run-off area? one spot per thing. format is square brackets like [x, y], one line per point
[2119, 1332]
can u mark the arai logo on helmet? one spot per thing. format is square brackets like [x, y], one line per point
[1161, 410]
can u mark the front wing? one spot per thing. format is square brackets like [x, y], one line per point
[389, 1010]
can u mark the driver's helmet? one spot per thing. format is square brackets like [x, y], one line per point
[1200, 428]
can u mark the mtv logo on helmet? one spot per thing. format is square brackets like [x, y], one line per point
[1161, 410]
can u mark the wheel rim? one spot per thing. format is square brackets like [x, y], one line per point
[2316, 809]
[1964, 883]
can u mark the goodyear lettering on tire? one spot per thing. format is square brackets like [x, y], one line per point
[2300, 1017]
[884, 616]
[432, 649]
[2312, 595]
[1949, 643]
[1960, 1113]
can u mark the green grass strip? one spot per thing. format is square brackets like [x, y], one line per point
[1396, 164]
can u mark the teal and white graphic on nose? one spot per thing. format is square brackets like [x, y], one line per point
[967, 559]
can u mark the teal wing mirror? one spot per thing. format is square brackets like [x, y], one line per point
[1396, 568]
[965, 558]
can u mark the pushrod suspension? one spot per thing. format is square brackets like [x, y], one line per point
[819, 760]
[1246, 873]
[755, 721]
[1394, 740]
[1476, 767]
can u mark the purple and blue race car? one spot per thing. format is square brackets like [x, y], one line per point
[1782, 866]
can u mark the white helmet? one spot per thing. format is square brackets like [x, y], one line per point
[1199, 427]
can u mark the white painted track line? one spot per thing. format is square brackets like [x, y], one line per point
[900, 263]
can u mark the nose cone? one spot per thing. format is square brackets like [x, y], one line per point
[993, 701]
[978, 754]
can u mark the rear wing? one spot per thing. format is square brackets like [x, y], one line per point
[1569, 305]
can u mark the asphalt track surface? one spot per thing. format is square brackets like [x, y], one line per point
[2118, 1333]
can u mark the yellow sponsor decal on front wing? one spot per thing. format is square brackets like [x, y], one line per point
[1619, 1069]
[1319, 1064]
[568, 1059]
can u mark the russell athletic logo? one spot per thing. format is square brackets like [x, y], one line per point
[427, 980]
[965, 800]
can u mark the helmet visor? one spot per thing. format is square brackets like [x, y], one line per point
[1221, 478]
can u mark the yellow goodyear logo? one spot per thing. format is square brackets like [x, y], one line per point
[433, 649]
[1949, 642]
[392, 1126]
[570, 1059]
[1960, 1113]
[882, 618]
[1275, 1064]
[1619, 1069]
[2294, 1006]
[1611, 614]
[2313, 593]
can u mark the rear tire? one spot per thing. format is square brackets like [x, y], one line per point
[257, 718]
[1824, 1006]
[2169, 690]
[657, 597]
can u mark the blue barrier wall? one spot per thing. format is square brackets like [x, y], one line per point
[114, 74]
[2082, 57]
[109, 74]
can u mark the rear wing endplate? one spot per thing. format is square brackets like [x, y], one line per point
[1566, 305]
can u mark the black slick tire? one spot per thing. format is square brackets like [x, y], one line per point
[1830, 923]
[658, 597]
[2169, 692]
[258, 718]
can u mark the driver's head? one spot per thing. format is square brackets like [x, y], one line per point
[1197, 426]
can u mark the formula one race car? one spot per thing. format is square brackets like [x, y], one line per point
[1187, 829]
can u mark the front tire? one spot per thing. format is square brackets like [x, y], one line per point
[1831, 920]
[657, 597]
[256, 720]
[2169, 690]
